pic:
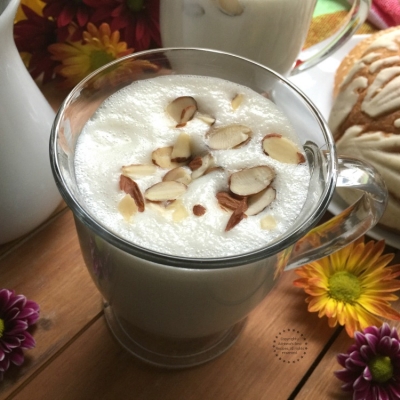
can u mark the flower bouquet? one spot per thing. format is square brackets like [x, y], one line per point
[66, 40]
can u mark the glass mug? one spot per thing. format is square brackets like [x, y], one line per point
[271, 32]
[181, 311]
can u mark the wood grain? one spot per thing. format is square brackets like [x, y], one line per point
[94, 366]
[322, 380]
[48, 268]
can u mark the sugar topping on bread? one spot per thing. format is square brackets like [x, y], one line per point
[365, 117]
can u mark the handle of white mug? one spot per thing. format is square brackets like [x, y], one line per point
[353, 222]
[355, 18]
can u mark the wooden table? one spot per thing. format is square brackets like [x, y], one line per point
[76, 357]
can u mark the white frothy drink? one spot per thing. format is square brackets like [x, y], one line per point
[133, 122]
[271, 32]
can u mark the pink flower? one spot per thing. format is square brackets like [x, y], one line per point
[17, 314]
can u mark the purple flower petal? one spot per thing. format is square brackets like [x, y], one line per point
[29, 342]
[360, 384]
[11, 341]
[17, 357]
[372, 341]
[16, 327]
[341, 359]
[385, 330]
[357, 375]
[5, 364]
[367, 353]
[18, 314]
[367, 374]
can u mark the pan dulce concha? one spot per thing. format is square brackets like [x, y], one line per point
[192, 166]
[365, 117]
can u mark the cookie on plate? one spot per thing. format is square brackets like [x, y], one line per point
[365, 117]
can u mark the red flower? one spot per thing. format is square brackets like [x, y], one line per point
[33, 35]
[66, 11]
[136, 20]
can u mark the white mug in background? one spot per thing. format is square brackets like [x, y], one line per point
[271, 32]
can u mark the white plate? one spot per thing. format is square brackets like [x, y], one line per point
[317, 84]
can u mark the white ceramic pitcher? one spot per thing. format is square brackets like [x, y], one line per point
[28, 194]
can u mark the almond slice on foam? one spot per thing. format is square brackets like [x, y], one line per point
[258, 202]
[162, 158]
[200, 164]
[237, 101]
[131, 188]
[230, 7]
[282, 149]
[208, 119]
[182, 109]
[252, 180]
[226, 201]
[199, 210]
[228, 137]
[237, 215]
[135, 171]
[181, 150]
[178, 174]
[164, 191]
[127, 207]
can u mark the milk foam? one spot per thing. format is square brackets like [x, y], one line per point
[133, 122]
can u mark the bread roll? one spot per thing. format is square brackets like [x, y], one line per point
[365, 117]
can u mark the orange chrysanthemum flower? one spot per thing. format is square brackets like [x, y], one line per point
[353, 286]
[99, 47]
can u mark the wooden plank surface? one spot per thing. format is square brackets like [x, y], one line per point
[94, 366]
[48, 268]
[322, 380]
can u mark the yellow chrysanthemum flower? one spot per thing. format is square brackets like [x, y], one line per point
[353, 286]
[78, 59]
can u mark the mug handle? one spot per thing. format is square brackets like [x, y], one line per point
[355, 18]
[350, 224]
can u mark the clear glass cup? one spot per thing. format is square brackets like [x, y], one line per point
[271, 32]
[181, 311]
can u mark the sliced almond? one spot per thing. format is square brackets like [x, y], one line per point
[230, 7]
[164, 191]
[258, 202]
[250, 181]
[127, 207]
[237, 101]
[130, 187]
[268, 222]
[199, 210]
[135, 171]
[208, 119]
[179, 211]
[237, 215]
[181, 151]
[199, 165]
[162, 158]
[282, 149]
[228, 137]
[227, 202]
[182, 109]
[179, 174]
